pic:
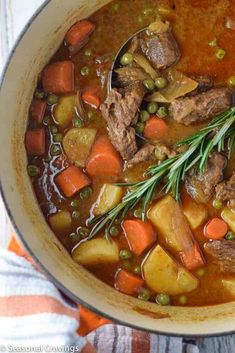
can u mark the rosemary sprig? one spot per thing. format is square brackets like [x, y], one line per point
[217, 135]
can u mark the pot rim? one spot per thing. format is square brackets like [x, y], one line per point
[54, 280]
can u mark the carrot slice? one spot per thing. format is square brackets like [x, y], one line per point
[155, 128]
[35, 141]
[216, 228]
[78, 35]
[71, 180]
[193, 257]
[37, 110]
[59, 77]
[104, 160]
[91, 96]
[140, 235]
[128, 283]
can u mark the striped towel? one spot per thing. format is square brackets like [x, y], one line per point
[36, 317]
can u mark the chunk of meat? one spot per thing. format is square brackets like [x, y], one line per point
[146, 153]
[205, 82]
[202, 106]
[223, 252]
[225, 191]
[202, 186]
[161, 49]
[120, 111]
[128, 75]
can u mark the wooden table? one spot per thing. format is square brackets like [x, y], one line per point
[13, 16]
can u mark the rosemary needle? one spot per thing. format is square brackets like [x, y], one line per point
[217, 135]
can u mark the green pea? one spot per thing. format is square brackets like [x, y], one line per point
[163, 299]
[200, 272]
[75, 237]
[148, 11]
[160, 156]
[160, 82]
[126, 59]
[139, 128]
[149, 84]
[85, 71]
[220, 54]
[117, 221]
[53, 129]
[55, 150]
[144, 116]
[231, 81]
[138, 213]
[114, 231]
[83, 232]
[46, 120]
[52, 99]
[86, 193]
[230, 236]
[75, 215]
[77, 122]
[33, 170]
[183, 299]
[125, 254]
[213, 43]
[137, 270]
[38, 94]
[217, 204]
[126, 265]
[152, 107]
[162, 112]
[88, 53]
[144, 295]
[116, 7]
[74, 203]
[58, 138]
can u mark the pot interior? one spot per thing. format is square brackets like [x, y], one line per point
[35, 47]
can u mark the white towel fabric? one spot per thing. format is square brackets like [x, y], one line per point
[35, 317]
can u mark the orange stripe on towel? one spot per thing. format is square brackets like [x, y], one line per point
[88, 349]
[33, 304]
[140, 342]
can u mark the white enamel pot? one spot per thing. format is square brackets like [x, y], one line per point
[40, 39]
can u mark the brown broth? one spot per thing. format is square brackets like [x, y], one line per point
[195, 23]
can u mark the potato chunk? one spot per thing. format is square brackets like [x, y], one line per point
[229, 285]
[60, 221]
[229, 217]
[64, 111]
[164, 275]
[110, 196]
[167, 216]
[77, 144]
[96, 251]
[175, 233]
[196, 214]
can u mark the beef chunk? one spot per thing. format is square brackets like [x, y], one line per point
[146, 153]
[223, 252]
[205, 82]
[120, 111]
[201, 186]
[161, 49]
[128, 75]
[205, 105]
[225, 191]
